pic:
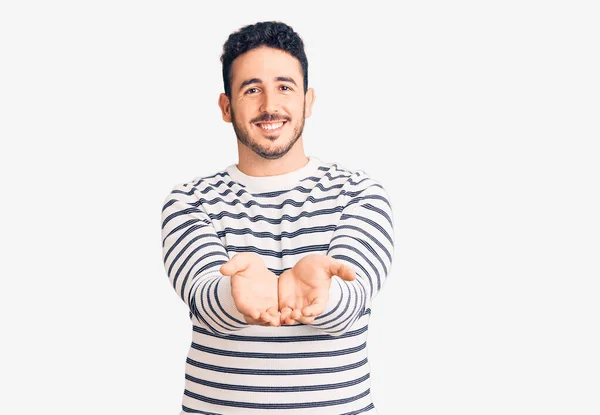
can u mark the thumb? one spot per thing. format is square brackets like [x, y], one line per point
[234, 265]
[341, 270]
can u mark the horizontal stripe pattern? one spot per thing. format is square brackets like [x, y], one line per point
[236, 368]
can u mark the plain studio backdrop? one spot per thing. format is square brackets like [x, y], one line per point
[480, 118]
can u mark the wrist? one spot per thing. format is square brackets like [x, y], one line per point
[335, 294]
[226, 299]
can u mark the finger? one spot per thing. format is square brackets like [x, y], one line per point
[296, 314]
[285, 314]
[272, 316]
[252, 321]
[341, 270]
[306, 320]
[264, 317]
[234, 265]
[290, 322]
[303, 320]
[275, 316]
[254, 314]
[314, 309]
[269, 320]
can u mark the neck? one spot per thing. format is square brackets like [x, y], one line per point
[252, 164]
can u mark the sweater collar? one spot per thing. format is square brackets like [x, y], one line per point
[271, 183]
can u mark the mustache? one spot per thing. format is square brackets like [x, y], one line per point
[270, 118]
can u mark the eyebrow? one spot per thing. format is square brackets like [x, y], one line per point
[259, 81]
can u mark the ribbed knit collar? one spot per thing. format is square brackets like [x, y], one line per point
[277, 182]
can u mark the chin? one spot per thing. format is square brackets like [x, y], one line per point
[271, 156]
[270, 152]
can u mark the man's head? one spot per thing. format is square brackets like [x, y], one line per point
[266, 87]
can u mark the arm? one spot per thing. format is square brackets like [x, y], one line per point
[364, 241]
[192, 255]
[361, 246]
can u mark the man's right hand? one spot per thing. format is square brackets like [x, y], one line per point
[254, 288]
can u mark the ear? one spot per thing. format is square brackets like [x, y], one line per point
[225, 106]
[309, 99]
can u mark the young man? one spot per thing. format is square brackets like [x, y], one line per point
[279, 256]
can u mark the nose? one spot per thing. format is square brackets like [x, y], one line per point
[269, 102]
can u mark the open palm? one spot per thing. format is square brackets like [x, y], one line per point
[304, 289]
[254, 288]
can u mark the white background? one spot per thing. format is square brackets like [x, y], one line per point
[480, 118]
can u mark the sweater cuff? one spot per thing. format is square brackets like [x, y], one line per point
[226, 300]
[335, 294]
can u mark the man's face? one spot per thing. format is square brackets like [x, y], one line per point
[268, 105]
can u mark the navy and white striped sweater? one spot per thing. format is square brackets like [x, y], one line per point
[236, 368]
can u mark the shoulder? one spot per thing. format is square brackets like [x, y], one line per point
[357, 187]
[357, 182]
[350, 179]
[193, 190]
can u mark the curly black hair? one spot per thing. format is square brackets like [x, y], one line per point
[274, 34]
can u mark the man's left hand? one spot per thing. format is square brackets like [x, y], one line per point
[304, 289]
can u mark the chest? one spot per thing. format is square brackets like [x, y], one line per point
[281, 229]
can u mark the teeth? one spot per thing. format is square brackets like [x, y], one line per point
[271, 126]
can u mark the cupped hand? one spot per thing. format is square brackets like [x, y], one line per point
[304, 288]
[254, 288]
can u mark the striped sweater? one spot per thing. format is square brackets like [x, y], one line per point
[236, 368]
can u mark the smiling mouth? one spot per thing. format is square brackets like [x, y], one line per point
[270, 126]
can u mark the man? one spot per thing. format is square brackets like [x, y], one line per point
[279, 256]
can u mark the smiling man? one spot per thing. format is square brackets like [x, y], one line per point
[278, 100]
[279, 256]
[267, 112]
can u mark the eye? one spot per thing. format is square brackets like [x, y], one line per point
[251, 90]
[286, 88]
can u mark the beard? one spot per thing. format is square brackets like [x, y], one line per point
[266, 151]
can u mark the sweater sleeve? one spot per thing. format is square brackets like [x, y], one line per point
[363, 240]
[192, 255]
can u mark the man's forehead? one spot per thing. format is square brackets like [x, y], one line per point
[260, 81]
[266, 64]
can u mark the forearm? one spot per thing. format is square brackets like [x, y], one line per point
[347, 303]
[211, 303]
[192, 256]
[362, 241]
